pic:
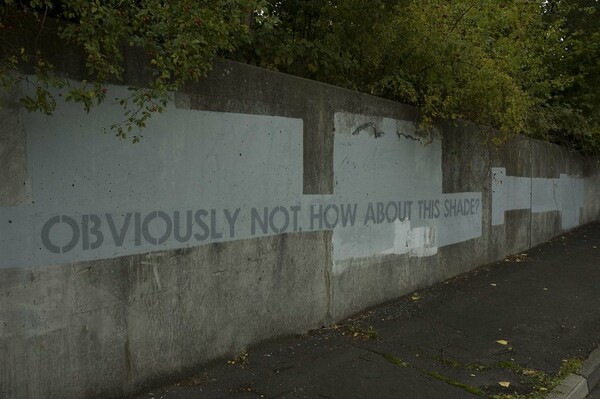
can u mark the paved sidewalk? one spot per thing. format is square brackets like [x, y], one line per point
[507, 329]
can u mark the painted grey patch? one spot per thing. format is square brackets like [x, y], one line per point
[565, 194]
[396, 185]
[97, 197]
[202, 177]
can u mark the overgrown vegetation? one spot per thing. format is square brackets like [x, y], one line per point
[537, 383]
[518, 66]
[540, 382]
[178, 40]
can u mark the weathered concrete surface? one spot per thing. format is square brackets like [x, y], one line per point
[106, 328]
[590, 370]
[108, 325]
[591, 211]
[573, 387]
[14, 182]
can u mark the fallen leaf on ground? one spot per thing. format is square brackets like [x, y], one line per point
[493, 284]
[517, 258]
[502, 342]
[504, 384]
[415, 297]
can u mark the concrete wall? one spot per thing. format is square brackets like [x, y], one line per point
[259, 205]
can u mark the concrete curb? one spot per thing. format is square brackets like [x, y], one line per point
[578, 386]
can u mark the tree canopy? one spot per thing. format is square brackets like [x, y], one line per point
[517, 66]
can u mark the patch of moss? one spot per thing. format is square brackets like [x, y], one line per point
[458, 365]
[395, 360]
[450, 381]
[569, 366]
[359, 331]
[541, 382]
[509, 366]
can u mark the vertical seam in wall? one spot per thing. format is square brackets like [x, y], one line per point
[530, 191]
[328, 273]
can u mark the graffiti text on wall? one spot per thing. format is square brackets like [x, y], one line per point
[87, 232]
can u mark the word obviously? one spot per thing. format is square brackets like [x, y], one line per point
[64, 233]
[90, 230]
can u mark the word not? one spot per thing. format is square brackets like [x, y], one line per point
[267, 219]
